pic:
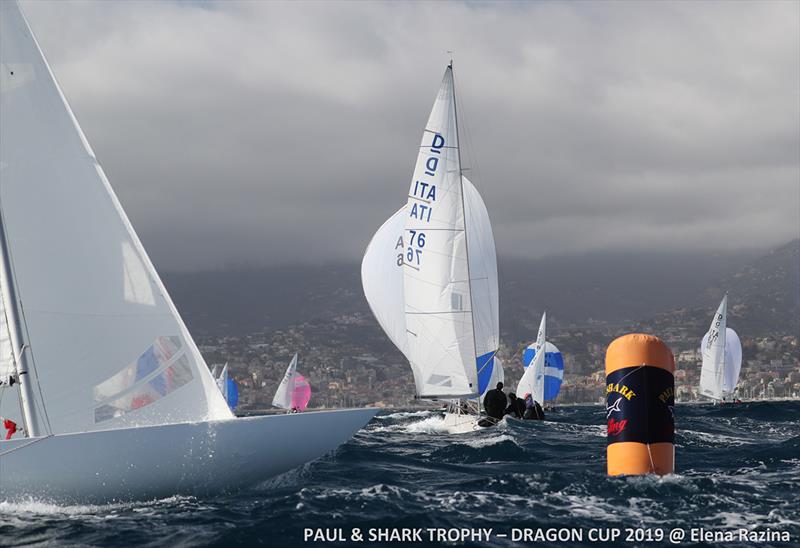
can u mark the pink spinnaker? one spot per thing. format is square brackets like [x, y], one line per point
[301, 393]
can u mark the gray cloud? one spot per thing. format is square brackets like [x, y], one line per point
[266, 132]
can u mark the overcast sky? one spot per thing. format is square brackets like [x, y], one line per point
[265, 133]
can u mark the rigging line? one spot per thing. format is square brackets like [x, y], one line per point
[479, 178]
[426, 229]
[629, 373]
[33, 362]
[463, 212]
[428, 146]
[433, 313]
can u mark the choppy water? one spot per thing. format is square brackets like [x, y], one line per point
[737, 466]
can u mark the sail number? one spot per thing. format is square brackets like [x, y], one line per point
[423, 194]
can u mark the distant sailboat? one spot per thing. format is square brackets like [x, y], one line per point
[430, 273]
[553, 368]
[722, 357]
[117, 402]
[532, 380]
[228, 386]
[294, 392]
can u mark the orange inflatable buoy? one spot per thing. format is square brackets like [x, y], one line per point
[640, 396]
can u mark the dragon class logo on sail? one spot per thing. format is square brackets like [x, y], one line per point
[424, 195]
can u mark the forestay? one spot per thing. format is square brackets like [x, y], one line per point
[712, 374]
[107, 345]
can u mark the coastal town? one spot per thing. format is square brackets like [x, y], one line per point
[350, 363]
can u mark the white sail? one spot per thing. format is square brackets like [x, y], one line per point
[438, 305]
[107, 345]
[6, 361]
[483, 286]
[712, 374]
[532, 381]
[283, 396]
[382, 278]
[498, 375]
[222, 381]
[732, 364]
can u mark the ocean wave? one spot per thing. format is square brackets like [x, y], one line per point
[408, 470]
[404, 415]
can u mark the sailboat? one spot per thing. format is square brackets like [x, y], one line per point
[533, 379]
[553, 368]
[430, 274]
[722, 357]
[116, 401]
[294, 392]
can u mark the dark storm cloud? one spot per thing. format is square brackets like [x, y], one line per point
[266, 132]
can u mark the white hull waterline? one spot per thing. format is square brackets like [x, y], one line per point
[203, 458]
[457, 423]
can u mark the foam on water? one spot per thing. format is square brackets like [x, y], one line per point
[734, 468]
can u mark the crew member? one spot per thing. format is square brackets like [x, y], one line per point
[495, 402]
[533, 411]
[516, 406]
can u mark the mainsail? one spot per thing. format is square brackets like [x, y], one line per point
[283, 395]
[733, 360]
[532, 381]
[430, 272]
[382, 280]
[712, 374]
[106, 346]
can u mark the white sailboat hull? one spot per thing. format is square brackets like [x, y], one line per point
[203, 458]
[462, 423]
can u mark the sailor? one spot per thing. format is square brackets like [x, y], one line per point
[516, 407]
[495, 402]
[533, 411]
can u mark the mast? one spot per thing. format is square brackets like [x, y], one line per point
[466, 238]
[19, 347]
[724, 334]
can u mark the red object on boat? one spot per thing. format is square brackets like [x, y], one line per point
[11, 428]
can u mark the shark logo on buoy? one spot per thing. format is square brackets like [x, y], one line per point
[614, 407]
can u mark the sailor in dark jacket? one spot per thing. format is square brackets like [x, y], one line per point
[495, 402]
[516, 407]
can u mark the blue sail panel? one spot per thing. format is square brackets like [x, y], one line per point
[232, 394]
[553, 374]
[485, 366]
[553, 368]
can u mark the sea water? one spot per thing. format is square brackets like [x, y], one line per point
[531, 483]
